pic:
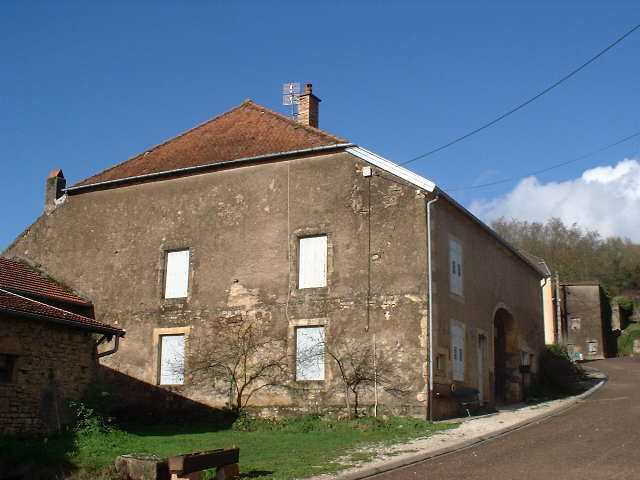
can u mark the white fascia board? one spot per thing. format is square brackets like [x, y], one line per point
[393, 168]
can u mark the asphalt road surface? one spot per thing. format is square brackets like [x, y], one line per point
[597, 439]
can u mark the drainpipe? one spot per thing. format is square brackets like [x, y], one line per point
[558, 316]
[430, 307]
[115, 346]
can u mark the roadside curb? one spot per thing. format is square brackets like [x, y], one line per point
[408, 460]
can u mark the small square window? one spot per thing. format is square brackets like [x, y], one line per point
[440, 364]
[7, 363]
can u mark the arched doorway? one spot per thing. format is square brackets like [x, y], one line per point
[504, 355]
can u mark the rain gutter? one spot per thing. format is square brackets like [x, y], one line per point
[202, 168]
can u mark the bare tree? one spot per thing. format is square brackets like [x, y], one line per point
[240, 356]
[362, 366]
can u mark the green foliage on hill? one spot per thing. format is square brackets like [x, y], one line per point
[625, 340]
[577, 254]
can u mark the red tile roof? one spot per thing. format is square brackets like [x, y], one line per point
[18, 277]
[17, 304]
[248, 130]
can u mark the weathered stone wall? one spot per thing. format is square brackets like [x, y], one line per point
[242, 228]
[54, 364]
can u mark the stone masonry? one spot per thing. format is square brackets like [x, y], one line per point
[53, 365]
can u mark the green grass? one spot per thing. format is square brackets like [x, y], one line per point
[625, 340]
[278, 450]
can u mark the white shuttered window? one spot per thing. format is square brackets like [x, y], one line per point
[312, 270]
[457, 351]
[310, 353]
[176, 283]
[171, 359]
[455, 267]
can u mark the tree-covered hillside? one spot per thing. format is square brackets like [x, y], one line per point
[578, 254]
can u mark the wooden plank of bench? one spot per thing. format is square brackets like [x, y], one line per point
[195, 462]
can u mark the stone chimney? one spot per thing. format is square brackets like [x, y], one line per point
[53, 192]
[308, 111]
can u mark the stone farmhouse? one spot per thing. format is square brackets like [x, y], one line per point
[47, 350]
[256, 217]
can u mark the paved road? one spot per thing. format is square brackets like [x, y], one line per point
[597, 439]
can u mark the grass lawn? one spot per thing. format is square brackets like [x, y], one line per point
[279, 450]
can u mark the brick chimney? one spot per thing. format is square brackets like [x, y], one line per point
[55, 184]
[308, 111]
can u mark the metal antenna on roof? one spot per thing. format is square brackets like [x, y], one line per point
[291, 96]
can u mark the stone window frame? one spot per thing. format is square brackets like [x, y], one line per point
[292, 351]
[160, 332]
[162, 273]
[295, 258]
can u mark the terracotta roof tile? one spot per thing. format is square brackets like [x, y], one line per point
[19, 304]
[18, 277]
[248, 130]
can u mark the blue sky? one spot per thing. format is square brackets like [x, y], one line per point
[86, 85]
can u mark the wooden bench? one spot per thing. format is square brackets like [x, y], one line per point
[191, 465]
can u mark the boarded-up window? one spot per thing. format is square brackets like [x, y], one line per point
[457, 346]
[177, 274]
[310, 353]
[171, 359]
[455, 274]
[312, 271]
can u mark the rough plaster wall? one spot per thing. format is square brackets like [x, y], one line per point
[241, 226]
[54, 364]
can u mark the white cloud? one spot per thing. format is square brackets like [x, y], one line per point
[606, 199]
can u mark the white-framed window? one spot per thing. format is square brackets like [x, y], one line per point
[312, 262]
[457, 351]
[171, 359]
[455, 267]
[176, 278]
[310, 353]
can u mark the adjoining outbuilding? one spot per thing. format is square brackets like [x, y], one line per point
[47, 352]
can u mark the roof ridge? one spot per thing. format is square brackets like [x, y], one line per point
[284, 118]
[175, 137]
[246, 103]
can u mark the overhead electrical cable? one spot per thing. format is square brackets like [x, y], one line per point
[558, 165]
[524, 104]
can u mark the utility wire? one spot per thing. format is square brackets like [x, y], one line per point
[522, 105]
[558, 165]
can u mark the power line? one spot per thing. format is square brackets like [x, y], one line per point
[558, 165]
[522, 105]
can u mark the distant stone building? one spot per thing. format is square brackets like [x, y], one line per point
[586, 321]
[253, 216]
[47, 350]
